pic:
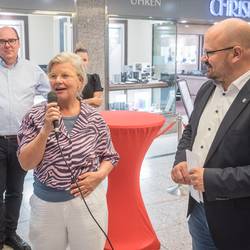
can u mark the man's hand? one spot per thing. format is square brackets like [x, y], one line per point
[196, 176]
[180, 173]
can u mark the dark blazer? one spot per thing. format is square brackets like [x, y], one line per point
[227, 173]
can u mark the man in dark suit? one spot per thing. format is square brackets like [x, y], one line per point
[219, 133]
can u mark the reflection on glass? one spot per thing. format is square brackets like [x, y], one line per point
[116, 51]
[164, 66]
[139, 100]
[148, 78]
[158, 100]
[187, 53]
[164, 48]
[190, 39]
[118, 100]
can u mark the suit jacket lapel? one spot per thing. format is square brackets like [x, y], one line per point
[240, 102]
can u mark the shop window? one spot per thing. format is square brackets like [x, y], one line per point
[187, 54]
[142, 65]
[117, 45]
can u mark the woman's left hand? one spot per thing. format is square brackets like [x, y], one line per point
[87, 182]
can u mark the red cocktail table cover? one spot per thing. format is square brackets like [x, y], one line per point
[129, 226]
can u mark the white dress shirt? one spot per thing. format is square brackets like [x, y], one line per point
[18, 87]
[213, 114]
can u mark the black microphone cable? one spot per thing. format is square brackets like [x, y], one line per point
[73, 180]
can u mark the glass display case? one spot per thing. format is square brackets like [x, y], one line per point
[142, 68]
[187, 54]
[152, 97]
[164, 50]
[190, 38]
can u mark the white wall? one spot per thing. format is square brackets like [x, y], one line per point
[139, 41]
[41, 39]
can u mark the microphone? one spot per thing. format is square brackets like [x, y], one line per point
[52, 97]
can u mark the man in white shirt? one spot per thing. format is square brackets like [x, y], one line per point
[20, 82]
[219, 133]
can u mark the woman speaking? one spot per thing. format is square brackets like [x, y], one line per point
[68, 165]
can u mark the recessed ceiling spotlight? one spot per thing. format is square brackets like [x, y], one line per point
[183, 21]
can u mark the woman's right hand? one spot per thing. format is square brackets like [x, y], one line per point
[52, 114]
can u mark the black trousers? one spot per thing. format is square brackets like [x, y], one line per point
[11, 187]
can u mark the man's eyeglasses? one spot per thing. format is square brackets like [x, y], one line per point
[11, 42]
[208, 53]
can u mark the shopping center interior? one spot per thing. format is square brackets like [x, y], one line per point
[140, 59]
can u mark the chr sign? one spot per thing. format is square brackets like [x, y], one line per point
[230, 8]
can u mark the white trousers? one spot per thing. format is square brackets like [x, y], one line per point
[58, 225]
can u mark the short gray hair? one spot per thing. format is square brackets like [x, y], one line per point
[74, 60]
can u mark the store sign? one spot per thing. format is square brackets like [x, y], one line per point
[149, 3]
[230, 8]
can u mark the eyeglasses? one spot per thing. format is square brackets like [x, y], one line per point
[11, 42]
[208, 53]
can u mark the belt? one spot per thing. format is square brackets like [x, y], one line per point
[8, 137]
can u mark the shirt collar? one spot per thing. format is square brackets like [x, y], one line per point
[3, 64]
[241, 81]
[236, 84]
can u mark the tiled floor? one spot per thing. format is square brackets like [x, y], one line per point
[167, 212]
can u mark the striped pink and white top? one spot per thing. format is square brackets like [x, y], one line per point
[87, 145]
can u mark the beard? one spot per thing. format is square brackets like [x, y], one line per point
[209, 71]
[211, 74]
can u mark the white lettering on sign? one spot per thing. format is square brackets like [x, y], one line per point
[149, 3]
[230, 8]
